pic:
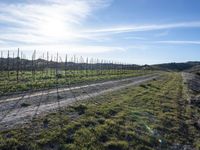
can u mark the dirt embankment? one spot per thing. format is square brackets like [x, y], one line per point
[15, 110]
[193, 90]
[193, 84]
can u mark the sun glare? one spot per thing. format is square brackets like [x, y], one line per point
[53, 27]
[52, 24]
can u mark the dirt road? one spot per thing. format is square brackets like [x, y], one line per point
[15, 110]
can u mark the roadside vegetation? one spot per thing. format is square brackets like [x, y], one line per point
[154, 115]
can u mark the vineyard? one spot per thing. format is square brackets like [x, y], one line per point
[29, 88]
[55, 104]
[99, 75]
[19, 74]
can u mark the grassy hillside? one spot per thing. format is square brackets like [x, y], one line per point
[154, 115]
[176, 66]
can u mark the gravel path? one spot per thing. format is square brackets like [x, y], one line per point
[16, 110]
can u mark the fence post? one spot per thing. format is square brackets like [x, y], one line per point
[33, 66]
[47, 66]
[1, 61]
[86, 67]
[65, 66]
[18, 65]
[57, 67]
[8, 63]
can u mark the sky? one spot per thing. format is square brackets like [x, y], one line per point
[129, 31]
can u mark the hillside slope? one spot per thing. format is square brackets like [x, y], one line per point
[176, 66]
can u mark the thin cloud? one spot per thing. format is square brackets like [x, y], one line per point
[57, 24]
[70, 49]
[46, 21]
[134, 38]
[141, 28]
[161, 34]
[179, 42]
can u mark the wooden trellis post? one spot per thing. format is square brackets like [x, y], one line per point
[33, 65]
[47, 65]
[66, 66]
[8, 63]
[18, 58]
[1, 61]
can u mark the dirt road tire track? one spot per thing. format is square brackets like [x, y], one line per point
[21, 115]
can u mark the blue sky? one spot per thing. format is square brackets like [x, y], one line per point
[132, 31]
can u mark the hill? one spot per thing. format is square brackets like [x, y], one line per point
[177, 66]
[39, 64]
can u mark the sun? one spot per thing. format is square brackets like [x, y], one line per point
[53, 25]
